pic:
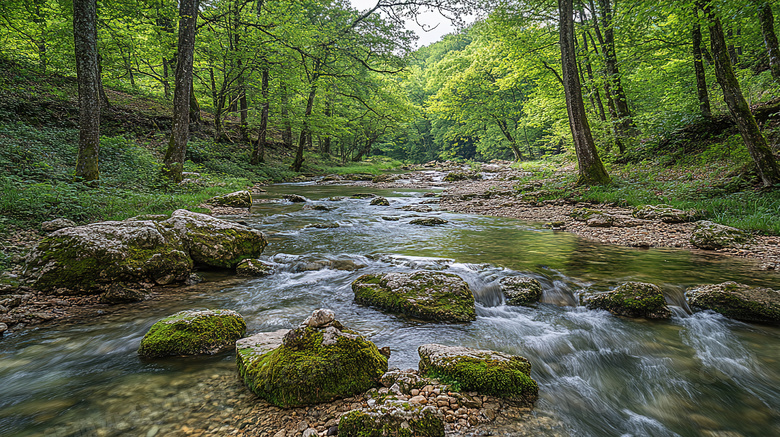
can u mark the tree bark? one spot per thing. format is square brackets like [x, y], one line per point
[180, 131]
[591, 77]
[770, 38]
[87, 72]
[305, 133]
[287, 137]
[625, 123]
[104, 103]
[732, 94]
[258, 154]
[591, 170]
[194, 107]
[698, 66]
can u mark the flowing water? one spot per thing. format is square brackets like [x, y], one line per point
[599, 375]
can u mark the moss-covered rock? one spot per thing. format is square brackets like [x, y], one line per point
[380, 201]
[238, 199]
[455, 176]
[251, 348]
[521, 290]
[666, 214]
[254, 267]
[738, 301]
[711, 236]
[294, 198]
[482, 371]
[363, 196]
[214, 242]
[632, 299]
[592, 217]
[322, 208]
[435, 296]
[193, 332]
[407, 420]
[428, 221]
[417, 208]
[313, 365]
[84, 259]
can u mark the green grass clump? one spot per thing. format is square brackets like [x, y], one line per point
[374, 165]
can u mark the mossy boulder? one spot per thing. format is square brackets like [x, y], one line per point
[434, 296]
[482, 371]
[214, 242]
[428, 221]
[738, 301]
[254, 267]
[521, 290]
[238, 199]
[193, 332]
[711, 236]
[632, 299]
[665, 213]
[408, 420]
[315, 363]
[380, 201]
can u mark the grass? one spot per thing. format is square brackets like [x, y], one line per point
[374, 165]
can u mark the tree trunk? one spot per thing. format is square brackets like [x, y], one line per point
[287, 137]
[770, 38]
[698, 66]
[87, 72]
[40, 19]
[305, 134]
[591, 77]
[512, 143]
[258, 154]
[180, 130]
[194, 107]
[738, 106]
[326, 141]
[104, 103]
[591, 170]
[625, 124]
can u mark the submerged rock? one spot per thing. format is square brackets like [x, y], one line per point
[57, 224]
[254, 267]
[324, 225]
[380, 201]
[428, 221]
[363, 196]
[316, 362]
[317, 208]
[238, 199]
[521, 290]
[435, 296]
[711, 236]
[632, 299]
[417, 208]
[121, 293]
[294, 198]
[455, 176]
[665, 213]
[387, 420]
[482, 371]
[738, 301]
[193, 332]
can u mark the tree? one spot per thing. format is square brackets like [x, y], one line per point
[770, 38]
[591, 169]
[180, 129]
[732, 93]
[698, 66]
[87, 72]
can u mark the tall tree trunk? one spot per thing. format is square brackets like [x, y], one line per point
[194, 107]
[258, 154]
[591, 170]
[326, 142]
[698, 66]
[589, 70]
[770, 38]
[104, 103]
[502, 125]
[87, 72]
[40, 19]
[625, 126]
[287, 137]
[180, 130]
[305, 133]
[738, 106]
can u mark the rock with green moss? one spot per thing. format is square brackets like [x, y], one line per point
[85, 259]
[254, 267]
[428, 221]
[632, 299]
[380, 201]
[317, 362]
[455, 176]
[521, 290]
[193, 332]
[434, 296]
[738, 301]
[294, 198]
[238, 199]
[482, 371]
[214, 242]
[711, 236]
[402, 420]
[665, 213]
[592, 217]
[363, 196]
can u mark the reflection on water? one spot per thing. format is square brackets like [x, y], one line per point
[600, 375]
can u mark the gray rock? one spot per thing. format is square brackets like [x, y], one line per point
[3, 328]
[294, 198]
[417, 208]
[325, 225]
[711, 236]
[665, 213]
[521, 290]
[254, 267]
[121, 293]
[601, 220]
[262, 342]
[738, 301]
[380, 201]
[311, 432]
[57, 224]
[320, 318]
[238, 199]
[428, 221]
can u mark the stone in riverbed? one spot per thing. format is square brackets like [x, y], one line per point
[120, 293]
[380, 201]
[393, 421]
[434, 296]
[312, 365]
[482, 371]
[428, 221]
[254, 267]
[193, 332]
[294, 198]
[521, 290]
[711, 236]
[632, 299]
[238, 199]
[665, 213]
[738, 301]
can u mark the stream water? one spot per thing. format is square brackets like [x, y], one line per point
[599, 375]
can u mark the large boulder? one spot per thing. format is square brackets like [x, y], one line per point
[632, 299]
[665, 213]
[521, 290]
[738, 301]
[435, 296]
[317, 362]
[193, 332]
[482, 371]
[214, 242]
[711, 236]
[388, 420]
[238, 199]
